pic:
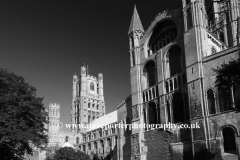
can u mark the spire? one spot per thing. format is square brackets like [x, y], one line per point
[135, 22]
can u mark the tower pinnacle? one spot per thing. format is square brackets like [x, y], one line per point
[135, 22]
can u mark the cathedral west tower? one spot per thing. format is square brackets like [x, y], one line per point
[88, 100]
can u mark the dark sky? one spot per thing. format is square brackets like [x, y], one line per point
[46, 41]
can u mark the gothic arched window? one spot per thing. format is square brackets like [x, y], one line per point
[89, 137]
[100, 133]
[224, 99]
[152, 113]
[236, 94]
[221, 37]
[95, 145]
[113, 130]
[210, 13]
[89, 146]
[77, 140]
[101, 144]
[175, 60]
[89, 119]
[189, 19]
[149, 72]
[164, 39]
[211, 102]
[178, 108]
[163, 34]
[168, 112]
[109, 142]
[92, 86]
[66, 139]
[106, 132]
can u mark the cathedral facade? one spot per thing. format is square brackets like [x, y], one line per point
[172, 82]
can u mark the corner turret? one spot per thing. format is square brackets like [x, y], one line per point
[74, 89]
[135, 33]
[54, 117]
[100, 86]
[83, 81]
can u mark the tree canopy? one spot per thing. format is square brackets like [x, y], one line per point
[68, 153]
[50, 151]
[228, 73]
[22, 117]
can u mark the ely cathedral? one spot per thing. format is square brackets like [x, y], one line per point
[88, 100]
[172, 81]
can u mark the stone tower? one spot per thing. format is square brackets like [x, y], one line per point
[54, 122]
[88, 100]
[135, 34]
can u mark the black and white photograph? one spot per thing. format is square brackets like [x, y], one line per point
[119, 80]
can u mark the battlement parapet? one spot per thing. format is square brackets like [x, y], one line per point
[92, 77]
[54, 105]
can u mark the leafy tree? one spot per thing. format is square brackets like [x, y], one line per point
[68, 153]
[81, 156]
[228, 73]
[22, 117]
[95, 157]
[50, 152]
